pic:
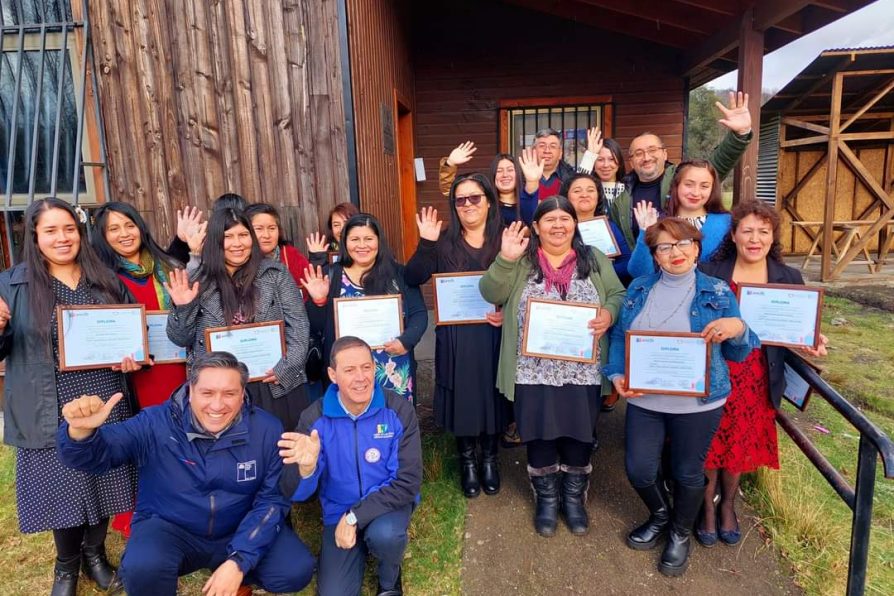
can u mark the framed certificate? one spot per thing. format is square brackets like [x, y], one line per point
[797, 389]
[161, 349]
[558, 330]
[782, 314]
[374, 319]
[668, 363]
[100, 336]
[458, 300]
[597, 233]
[260, 346]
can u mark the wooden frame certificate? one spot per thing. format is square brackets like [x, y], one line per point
[668, 363]
[162, 349]
[260, 346]
[100, 336]
[597, 232]
[558, 330]
[458, 300]
[782, 314]
[374, 319]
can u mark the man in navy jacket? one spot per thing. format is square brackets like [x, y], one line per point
[360, 446]
[208, 493]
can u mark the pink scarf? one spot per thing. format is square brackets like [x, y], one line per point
[558, 278]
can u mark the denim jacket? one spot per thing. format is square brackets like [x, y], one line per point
[713, 300]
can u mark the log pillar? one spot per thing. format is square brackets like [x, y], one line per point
[751, 63]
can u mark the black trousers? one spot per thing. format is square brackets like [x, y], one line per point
[564, 450]
[690, 438]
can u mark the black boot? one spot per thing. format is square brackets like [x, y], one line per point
[575, 483]
[65, 577]
[397, 590]
[93, 559]
[545, 482]
[687, 504]
[490, 465]
[646, 536]
[468, 466]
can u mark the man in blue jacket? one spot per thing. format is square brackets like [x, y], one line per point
[208, 493]
[360, 446]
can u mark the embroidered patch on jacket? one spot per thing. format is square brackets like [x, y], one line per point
[382, 432]
[372, 455]
[246, 471]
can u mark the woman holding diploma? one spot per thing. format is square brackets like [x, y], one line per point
[236, 285]
[746, 438]
[59, 268]
[466, 402]
[678, 298]
[365, 267]
[556, 401]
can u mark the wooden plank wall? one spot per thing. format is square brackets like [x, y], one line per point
[470, 55]
[200, 98]
[380, 63]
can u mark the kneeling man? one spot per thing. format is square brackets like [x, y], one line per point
[360, 446]
[208, 494]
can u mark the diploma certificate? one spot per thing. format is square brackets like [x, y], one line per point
[260, 346]
[458, 300]
[597, 233]
[781, 314]
[162, 349]
[668, 363]
[797, 389]
[374, 319]
[558, 330]
[93, 336]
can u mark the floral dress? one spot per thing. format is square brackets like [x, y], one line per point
[393, 373]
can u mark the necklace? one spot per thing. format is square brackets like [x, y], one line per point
[649, 311]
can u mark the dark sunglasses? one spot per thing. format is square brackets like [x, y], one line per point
[473, 199]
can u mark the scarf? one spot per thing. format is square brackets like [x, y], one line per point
[148, 267]
[557, 278]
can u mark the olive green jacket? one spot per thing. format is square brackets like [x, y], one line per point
[503, 283]
[724, 158]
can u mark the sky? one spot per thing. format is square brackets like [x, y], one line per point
[872, 25]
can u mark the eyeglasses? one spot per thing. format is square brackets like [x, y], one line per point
[665, 247]
[641, 153]
[471, 199]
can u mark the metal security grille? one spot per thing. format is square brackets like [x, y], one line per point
[45, 50]
[768, 160]
[571, 121]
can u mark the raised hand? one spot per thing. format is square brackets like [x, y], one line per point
[188, 221]
[594, 140]
[428, 223]
[196, 238]
[514, 242]
[5, 315]
[736, 117]
[532, 168]
[178, 287]
[316, 242]
[301, 449]
[87, 413]
[462, 154]
[646, 215]
[316, 284]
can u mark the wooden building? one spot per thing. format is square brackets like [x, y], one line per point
[307, 103]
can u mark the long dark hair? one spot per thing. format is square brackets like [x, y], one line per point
[237, 292]
[615, 148]
[147, 242]
[94, 273]
[715, 200]
[519, 179]
[586, 260]
[456, 255]
[229, 200]
[601, 201]
[380, 278]
[759, 209]
[266, 209]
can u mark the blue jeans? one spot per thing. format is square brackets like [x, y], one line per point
[158, 552]
[341, 570]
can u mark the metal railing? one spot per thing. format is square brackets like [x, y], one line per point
[873, 443]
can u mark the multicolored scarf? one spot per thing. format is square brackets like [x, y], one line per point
[558, 278]
[148, 267]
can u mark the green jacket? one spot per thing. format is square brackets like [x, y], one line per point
[724, 159]
[503, 283]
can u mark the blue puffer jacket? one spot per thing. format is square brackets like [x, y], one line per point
[211, 488]
[372, 465]
[713, 300]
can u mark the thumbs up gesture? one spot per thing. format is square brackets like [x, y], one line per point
[87, 413]
[304, 450]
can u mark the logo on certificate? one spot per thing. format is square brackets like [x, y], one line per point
[246, 471]
[372, 455]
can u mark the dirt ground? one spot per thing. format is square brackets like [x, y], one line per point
[878, 295]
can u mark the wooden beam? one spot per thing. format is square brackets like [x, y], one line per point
[868, 136]
[844, 61]
[660, 15]
[804, 141]
[751, 61]
[865, 175]
[831, 177]
[874, 100]
[768, 13]
[807, 125]
[865, 238]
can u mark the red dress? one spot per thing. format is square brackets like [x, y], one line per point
[746, 438]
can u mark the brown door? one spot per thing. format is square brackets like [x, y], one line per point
[406, 175]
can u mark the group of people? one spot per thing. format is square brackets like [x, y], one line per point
[211, 461]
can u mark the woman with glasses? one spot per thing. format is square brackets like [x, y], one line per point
[695, 197]
[467, 402]
[677, 298]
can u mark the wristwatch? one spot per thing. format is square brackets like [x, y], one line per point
[350, 518]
